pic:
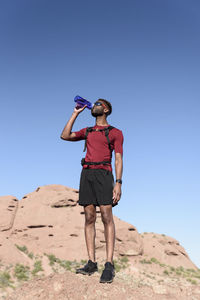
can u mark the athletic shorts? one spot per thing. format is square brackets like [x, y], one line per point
[96, 187]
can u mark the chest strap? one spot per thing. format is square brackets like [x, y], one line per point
[90, 129]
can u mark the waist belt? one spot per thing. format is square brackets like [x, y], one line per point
[83, 162]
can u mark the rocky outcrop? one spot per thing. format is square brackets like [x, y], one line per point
[49, 220]
[130, 241]
[8, 210]
[166, 249]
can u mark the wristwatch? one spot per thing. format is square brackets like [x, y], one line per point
[118, 180]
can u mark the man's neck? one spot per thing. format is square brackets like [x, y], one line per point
[101, 121]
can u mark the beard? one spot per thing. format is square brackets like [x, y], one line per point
[97, 113]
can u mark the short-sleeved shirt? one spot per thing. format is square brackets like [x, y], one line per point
[97, 145]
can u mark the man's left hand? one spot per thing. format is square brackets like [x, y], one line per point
[117, 193]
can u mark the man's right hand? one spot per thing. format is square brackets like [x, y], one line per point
[78, 110]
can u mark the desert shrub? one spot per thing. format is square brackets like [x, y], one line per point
[178, 273]
[30, 255]
[166, 272]
[144, 261]
[66, 264]
[5, 279]
[154, 260]
[192, 280]
[117, 265]
[22, 248]
[37, 267]
[162, 265]
[100, 268]
[83, 261]
[25, 250]
[196, 275]
[21, 272]
[124, 259]
[191, 270]
[181, 269]
[52, 258]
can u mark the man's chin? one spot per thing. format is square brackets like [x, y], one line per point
[96, 114]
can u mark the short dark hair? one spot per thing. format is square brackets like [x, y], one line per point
[108, 104]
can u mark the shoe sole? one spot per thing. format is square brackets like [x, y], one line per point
[107, 281]
[102, 281]
[86, 273]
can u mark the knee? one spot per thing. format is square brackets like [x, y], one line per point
[107, 218]
[90, 218]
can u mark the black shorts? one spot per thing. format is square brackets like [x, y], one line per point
[96, 187]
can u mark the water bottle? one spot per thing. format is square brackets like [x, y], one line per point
[82, 102]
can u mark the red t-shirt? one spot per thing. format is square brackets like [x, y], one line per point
[97, 145]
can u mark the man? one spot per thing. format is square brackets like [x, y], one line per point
[97, 182]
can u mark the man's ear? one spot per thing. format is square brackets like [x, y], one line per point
[106, 110]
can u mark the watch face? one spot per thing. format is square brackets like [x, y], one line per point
[119, 180]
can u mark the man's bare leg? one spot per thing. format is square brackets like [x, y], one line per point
[109, 230]
[90, 232]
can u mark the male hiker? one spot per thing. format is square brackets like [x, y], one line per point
[97, 186]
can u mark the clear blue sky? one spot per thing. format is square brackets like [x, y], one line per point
[141, 55]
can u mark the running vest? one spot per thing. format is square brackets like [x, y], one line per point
[90, 129]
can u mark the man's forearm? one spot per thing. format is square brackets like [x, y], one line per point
[118, 168]
[68, 127]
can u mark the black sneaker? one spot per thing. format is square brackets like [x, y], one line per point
[108, 273]
[88, 269]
